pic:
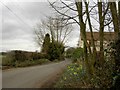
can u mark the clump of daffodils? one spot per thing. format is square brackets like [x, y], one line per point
[73, 73]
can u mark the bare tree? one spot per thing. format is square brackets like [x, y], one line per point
[93, 56]
[56, 27]
[102, 13]
[40, 30]
[115, 18]
[80, 11]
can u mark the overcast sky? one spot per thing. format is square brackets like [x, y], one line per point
[18, 21]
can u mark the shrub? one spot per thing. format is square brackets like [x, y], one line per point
[69, 52]
[77, 54]
[42, 61]
[31, 62]
[72, 77]
[22, 58]
[56, 51]
[116, 53]
[116, 47]
[36, 56]
[8, 60]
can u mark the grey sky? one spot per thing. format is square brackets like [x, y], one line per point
[17, 28]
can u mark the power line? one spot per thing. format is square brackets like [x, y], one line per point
[15, 14]
[23, 10]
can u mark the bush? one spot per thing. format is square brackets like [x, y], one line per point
[78, 54]
[116, 47]
[75, 53]
[56, 51]
[103, 77]
[72, 77]
[31, 62]
[19, 56]
[43, 56]
[36, 56]
[24, 55]
[8, 60]
[116, 54]
[23, 58]
[69, 52]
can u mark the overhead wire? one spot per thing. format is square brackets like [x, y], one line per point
[16, 15]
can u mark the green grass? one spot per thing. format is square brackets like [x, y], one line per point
[72, 77]
[75, 76]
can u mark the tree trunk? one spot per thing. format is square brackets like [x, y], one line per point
[101, 32]
[93, 55]
[119, 14]
[83, 33]
[113, 9]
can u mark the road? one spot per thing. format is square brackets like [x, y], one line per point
[31, 77]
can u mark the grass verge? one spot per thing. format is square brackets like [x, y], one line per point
[75, 76]
[72, 77]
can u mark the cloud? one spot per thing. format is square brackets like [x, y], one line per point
[73, 37]
[18, 22]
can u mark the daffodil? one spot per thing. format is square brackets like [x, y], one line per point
[72, 69]
[68, 67]
[64, 78]
[80, 66]
[75, 73]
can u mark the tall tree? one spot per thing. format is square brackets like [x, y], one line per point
[46, 44]
[115, 18]
[83, 33]
[56, 27]
[92, 56]
[56, 51]
[119, 14]
[80, 11]
[80, 14]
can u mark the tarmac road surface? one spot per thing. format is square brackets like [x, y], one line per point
[29, 77]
